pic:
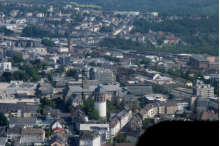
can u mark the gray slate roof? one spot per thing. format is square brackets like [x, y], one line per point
[88, 135]
[199, 58]
[22, 120]
[3, 140]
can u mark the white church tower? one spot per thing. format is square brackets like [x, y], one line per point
[100, 101]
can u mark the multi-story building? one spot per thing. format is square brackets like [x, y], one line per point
[78, 117]
[5, 65]
[203, 90]
[101, 127]
[201, 102]
[91, 138]
[139, 89]
[102, 75]
[75, 100]
[32, 135]
[192, 103]
[124, 116]
[152, 109]
[131, 101]
[213, 104]
[45, 90]
[29, 122]
[25, 109]
[133, 136]
[28, 14]
[115, 126]
[64, 60]
[198, 61]
[13, 133]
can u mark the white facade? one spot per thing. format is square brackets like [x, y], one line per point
[64, 49]
[101, 107]
[116, 129]
[40, 14]
[27, 125]
[57, 124]
[182, 105]
[125, 119]
[11, 135]
[5, 65]
[94, 142]
[29, 14]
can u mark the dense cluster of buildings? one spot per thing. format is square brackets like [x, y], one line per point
[126, 92]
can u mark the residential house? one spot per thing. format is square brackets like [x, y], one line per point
[75, 100]
[124, 116]
[56, 140]
[91, 138]
[133, 135]
[13, 133]
[115, 126]
[131, 101]
[50, 113]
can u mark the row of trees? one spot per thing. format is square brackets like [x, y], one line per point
[184, 27]
[71, 73]
[93, 63]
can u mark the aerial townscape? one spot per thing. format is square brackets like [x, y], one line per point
[102, 73]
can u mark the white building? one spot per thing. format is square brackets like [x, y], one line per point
[5, 65]
[56, 124]
[90, 138]
[124, 116]
[102, 128]
[40, 14]
[63, 49]
[117, 55]
[28, 14]
[115, 126]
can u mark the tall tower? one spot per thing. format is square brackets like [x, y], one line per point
[100, 100]
[85, 78]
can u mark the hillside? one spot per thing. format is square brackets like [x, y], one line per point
[170, 6]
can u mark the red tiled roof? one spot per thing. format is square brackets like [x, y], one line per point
[173, 38]
[167, 37]
[58, 128]
[175, 41]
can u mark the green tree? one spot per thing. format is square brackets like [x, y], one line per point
[70, 108]
[71, 73]
[3, 120]
[133, 110]
[47, 42]
[184, 114]
[16, 58]
[94, 115]
[146, 123]
[160, 41]
[92, 63]
[63, 20]
[119, 139]
[44, 101]
[83, 97]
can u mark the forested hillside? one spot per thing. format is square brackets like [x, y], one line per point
[171, 6]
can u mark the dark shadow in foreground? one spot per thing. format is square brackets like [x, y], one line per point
[181, 133]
